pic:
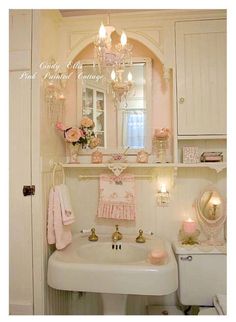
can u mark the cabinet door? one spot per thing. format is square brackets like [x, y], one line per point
[201, 77]
[99, 119]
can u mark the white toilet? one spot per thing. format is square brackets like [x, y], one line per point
[202, 275]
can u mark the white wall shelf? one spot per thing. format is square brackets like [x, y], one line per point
[217, 166]
[202, 137]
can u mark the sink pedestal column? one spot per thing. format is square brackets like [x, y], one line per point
[114, 304]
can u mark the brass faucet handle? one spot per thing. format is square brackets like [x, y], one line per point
[140, 238]
[116, 235]
[93, 236]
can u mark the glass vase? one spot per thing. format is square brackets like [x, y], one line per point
[161, 149]
[74, 153]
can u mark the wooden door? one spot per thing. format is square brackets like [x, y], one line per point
[201, 77]
[20, 222]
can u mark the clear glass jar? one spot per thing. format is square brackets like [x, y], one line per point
[161, 149]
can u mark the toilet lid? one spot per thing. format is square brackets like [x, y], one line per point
[180, 249]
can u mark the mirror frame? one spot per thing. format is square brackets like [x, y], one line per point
[148, 91]
[198, 208]
[212, 228]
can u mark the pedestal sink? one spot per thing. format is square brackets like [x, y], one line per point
[113, 269]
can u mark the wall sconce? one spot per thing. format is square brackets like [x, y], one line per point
[165, 180]
[163, 196]
[54, 87]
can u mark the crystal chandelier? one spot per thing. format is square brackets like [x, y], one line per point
[106, 55]
[120, 87]
[116, 58]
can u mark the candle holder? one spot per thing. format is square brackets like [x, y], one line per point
[161, 146]
[161, 142]
[189, 238]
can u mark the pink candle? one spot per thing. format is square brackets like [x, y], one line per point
[189, 226]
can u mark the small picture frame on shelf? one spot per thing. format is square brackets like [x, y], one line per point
[190, 154]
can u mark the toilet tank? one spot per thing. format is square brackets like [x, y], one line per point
[202, 273]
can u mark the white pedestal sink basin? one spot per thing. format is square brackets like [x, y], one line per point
[115, 268]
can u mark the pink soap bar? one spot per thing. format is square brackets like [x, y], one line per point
[157, 256]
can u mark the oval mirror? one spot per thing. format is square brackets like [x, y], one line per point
[211, 214]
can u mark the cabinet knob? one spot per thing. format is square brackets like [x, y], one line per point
[181, 100]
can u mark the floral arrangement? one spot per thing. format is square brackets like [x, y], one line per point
[83, 134]
[161, 134]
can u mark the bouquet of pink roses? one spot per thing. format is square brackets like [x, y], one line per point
[161, 134]
[84, 134]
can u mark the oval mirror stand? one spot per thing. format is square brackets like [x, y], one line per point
[211, 214]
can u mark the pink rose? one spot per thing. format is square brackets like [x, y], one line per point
[161, 133]
[87, 122]
[94, 142]
[73, 134]
[60, 126]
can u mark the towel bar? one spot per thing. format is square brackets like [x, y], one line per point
[54, 171]
[98, 176]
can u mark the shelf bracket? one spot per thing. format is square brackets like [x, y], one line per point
[217, 167]
[117, 168]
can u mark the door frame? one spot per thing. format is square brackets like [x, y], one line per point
[38, 220]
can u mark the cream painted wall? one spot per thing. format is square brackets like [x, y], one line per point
[165, 222]
[51, 143]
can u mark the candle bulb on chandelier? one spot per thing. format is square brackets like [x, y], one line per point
[113, 75]
[61, 97]
[130, 77]
[102, 31]
[123, 39]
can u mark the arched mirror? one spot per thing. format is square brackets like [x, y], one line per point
[211, 214]
[122, 126]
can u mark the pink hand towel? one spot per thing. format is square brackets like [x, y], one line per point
[58, 233]
[117, 197]
[66, 208]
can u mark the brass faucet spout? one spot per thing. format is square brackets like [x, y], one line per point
[116, 235]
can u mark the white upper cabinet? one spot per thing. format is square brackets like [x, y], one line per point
[201, 77]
